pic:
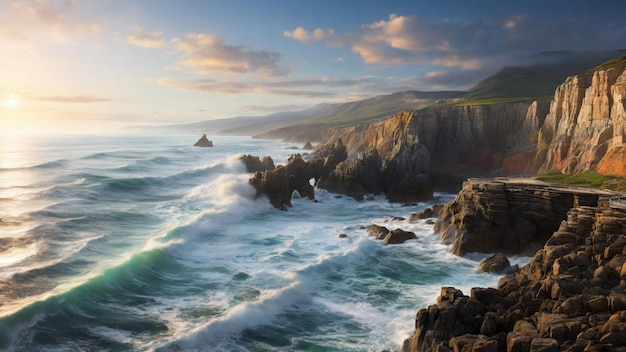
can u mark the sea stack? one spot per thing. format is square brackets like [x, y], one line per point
[203, 142]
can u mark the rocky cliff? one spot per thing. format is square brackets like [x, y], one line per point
[508, 215]
[446, 144]
[582, 129]
[585, 128]
[571, 296]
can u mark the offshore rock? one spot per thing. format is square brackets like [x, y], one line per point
[203, 142]
[254, 164]
[398, 236]
[571, 296]
[279, 184]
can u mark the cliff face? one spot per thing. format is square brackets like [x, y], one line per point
[449, 144]
[508, 215]
[582, 129]
[585, 128]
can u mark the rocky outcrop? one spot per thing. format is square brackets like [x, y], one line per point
[279, 183]
[254, 164]
[585, 128]
[571, 296]
[396, 236]
[203, 142]
[508, 215]
[356, 177]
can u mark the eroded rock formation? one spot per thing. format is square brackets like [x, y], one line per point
[254, 164]
[279, 183]
[508, 215]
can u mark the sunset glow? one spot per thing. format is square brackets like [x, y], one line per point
[11, 103]
[110, 64]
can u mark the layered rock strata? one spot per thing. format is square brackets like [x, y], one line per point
[508, 215]
[571, 296]
[585, 128]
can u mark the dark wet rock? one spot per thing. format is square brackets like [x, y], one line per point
[357, 177]
[342, 235]
[279, 184]
[398, 236]
[254, 164]
[426, 213]
[203, 142]
[569, 297]
[378, 232]
[496, 263]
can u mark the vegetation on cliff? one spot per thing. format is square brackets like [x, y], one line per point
[588, 179]
[615, 62]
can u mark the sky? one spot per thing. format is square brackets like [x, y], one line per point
[101, 65]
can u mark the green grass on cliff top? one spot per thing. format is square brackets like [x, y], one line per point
[616, 62]
[586, 179]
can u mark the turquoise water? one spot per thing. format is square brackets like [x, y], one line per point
[142, 242]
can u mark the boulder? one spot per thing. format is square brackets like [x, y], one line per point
[307, 146]
[203, 142]
[398, 236]
[378, 232]
[496, 263]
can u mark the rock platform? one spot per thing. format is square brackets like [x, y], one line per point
[571, 296]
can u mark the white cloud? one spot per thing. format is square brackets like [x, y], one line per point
[209, 54]
[303, 35]
[311, 87]
[57, 20]
[145, 39]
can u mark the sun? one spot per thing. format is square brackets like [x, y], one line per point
[11, 103]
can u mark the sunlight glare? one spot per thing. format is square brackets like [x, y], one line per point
[11, 103]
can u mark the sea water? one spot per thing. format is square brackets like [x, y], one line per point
[143, 242]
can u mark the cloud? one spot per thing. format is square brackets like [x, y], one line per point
[58, 20]
[312, 87]
[73, 99]
[208, 54]
[275, 108]
[469, 45]
[303, 35]
[145, 39]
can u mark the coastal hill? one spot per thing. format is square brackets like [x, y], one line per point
[532, 81]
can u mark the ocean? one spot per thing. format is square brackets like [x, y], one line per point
[145, 243]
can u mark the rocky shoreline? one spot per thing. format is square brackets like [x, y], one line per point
[571, 296]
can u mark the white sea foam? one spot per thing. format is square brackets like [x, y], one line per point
[243, 316]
